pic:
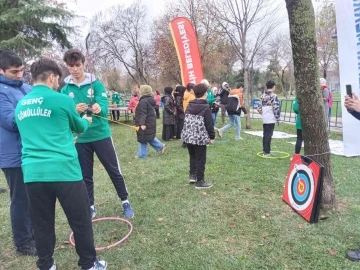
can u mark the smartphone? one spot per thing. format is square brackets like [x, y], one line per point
[349, 90]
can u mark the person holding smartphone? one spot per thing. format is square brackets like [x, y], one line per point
[352, 103]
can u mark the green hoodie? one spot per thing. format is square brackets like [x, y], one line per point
[45, 120]
[210, 97]
[296, 110]
[81, 93]
[115, 98]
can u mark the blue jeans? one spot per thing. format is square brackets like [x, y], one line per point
[234, 119]
[19, 208]
[214, 115]
[143, 147]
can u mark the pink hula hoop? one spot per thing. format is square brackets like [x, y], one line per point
[112, 245]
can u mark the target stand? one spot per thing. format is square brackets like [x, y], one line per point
[303, 187]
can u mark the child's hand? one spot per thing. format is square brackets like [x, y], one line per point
[212, 141]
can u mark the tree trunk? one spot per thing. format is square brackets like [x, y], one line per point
[306, 70]
[246, 85]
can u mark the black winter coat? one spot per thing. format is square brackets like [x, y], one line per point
[180, 114]
[169, 109]
[145, 115]
[224, 96]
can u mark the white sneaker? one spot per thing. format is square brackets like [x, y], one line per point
[93, 211]
[53, 267]
[99, 265]
[238, 138]
[220, 132]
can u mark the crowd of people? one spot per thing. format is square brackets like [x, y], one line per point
[48, 139]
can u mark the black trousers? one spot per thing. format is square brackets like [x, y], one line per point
[268, 130]
[299, 141]
[157, 111]
[105, 151]
[179, 127]
[197, 155]
[75, 203]
[116, 118]
[19, 207]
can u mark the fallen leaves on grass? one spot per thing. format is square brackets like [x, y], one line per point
[300, 225]
[202, 241]
[229, 240]
[160, 219]
[232, 224]
[332, 252]
[204, 193]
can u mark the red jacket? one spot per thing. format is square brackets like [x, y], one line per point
[157, 100]
[133, 103]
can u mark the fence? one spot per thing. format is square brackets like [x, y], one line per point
[288, 115]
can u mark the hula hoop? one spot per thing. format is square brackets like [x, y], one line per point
[112, 245]
[285, 155]
[221, 140]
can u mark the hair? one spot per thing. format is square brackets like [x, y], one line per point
[180, 89]
[145, 90]
[168, 90]
[200, 90]
[190, 86]
[322, 81]
[73, 55]
[9, 59]
[206, 82]
[270, 84]
[43, 68]
[240, 85]
[157, 92]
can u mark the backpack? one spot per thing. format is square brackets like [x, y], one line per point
[233, 105]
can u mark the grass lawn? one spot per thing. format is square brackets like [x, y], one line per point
[240, 223]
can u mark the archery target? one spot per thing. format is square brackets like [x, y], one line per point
[301, 187]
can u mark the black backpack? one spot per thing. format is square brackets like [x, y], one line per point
[233, 105]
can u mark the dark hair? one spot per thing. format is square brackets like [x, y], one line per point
[9, 59]
[157, 92]
[43, 68]
[168, 90]
[73, 55]
[240, 85]
[190, 86]
[270, 84]
[200, 90]
[180, 89]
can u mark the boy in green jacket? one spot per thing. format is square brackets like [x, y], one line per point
[89, 93]
[51, 169]
[299, 139]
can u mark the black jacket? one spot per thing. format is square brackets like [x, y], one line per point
[180, 114]
[169, 109]
[145, 115]
[224, 96]
[198, 127]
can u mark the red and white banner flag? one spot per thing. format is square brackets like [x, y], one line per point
[187, 49]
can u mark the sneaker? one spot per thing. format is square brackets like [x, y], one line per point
[93, 211]
[192, 179]
[98, 265]
[27, 249]
[128, 211]
[202, 184]
[238, 138]
[163, 149]
[3, 190]
[53, 267]
[353, 255]
[219, 132]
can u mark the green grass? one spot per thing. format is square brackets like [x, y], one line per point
[241, 223]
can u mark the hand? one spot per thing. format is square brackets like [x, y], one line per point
[88, 118]
[352, 104]
[75, 138]
[212, 141]
[143, 127]
[81, 107]
[96, 108]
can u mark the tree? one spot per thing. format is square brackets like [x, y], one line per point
[120, 38]
[246, 25]
[326, 43]
[28, 26]
[313, 120]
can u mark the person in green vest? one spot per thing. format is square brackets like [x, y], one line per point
[46, 120]
[115, 100]
[299, 138]
[89, 96]
[210, 95]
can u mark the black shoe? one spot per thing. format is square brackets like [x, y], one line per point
[27, 249]
[353, 255]
[3, 190]
[192, 179]
[202, 184]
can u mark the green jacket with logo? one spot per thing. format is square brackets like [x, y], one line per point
[81, 93]
[115, 98]
[45, 120]
[296, 110]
